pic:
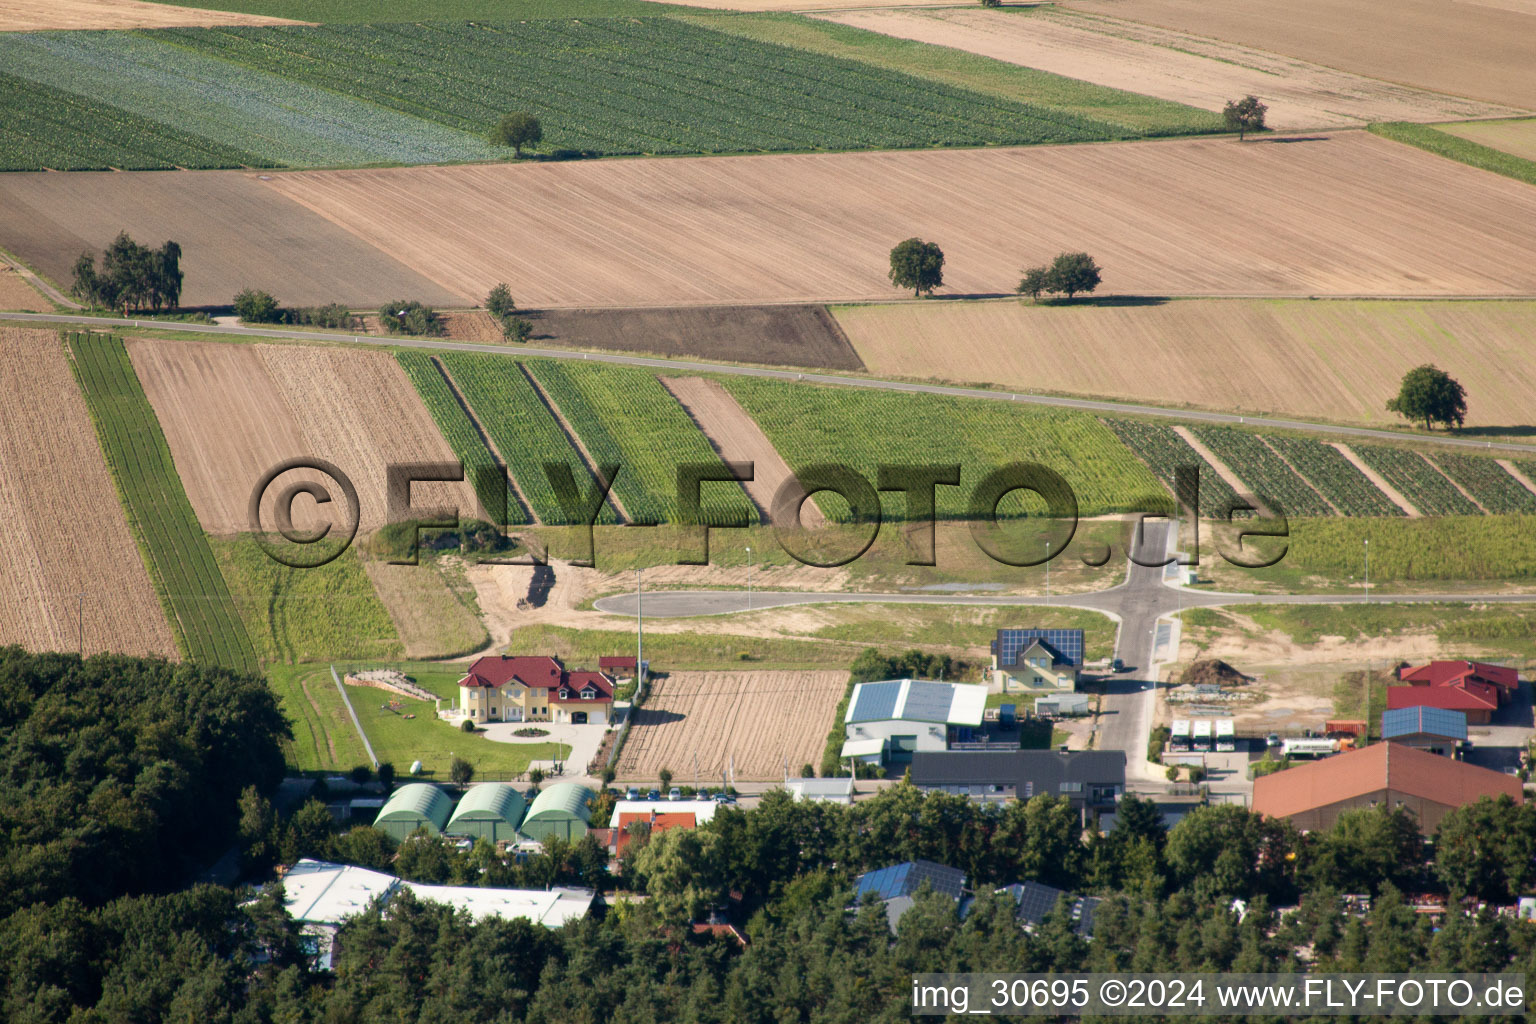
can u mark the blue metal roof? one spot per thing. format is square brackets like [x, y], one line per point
[906, 879]
[1431, 721]
[1066, 642]
[876, 702]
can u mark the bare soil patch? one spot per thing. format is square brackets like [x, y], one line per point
[1204, 216]
[1464, 49]
[1337, 360]
[790, 335]
[758, 722]
[234, 234]
[231, 412]
[70, 573]
[35, 15]
[17, 294]
[1170, 65]
[737, 437]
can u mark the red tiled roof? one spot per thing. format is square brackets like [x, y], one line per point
[499, 670]
[578, 681]
[726, 930]
[1451, 673]
[1382, 766]
[616, 661]
[658, 823]
[1467, 696]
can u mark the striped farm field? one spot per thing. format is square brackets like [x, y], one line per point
[185, 573]
[459, 431]
[1334, 476]
[1165, 453]
[864, 430]
[1490, 484]
[1263, 470]
[1421, 483]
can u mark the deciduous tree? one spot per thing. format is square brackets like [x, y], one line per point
[918, 265]
[517, 130]
[1244, 115]
[1429, 395]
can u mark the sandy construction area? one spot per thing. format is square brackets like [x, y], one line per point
[234, 234]
[1170, 65]
[69, 567]
[33, 15]
[1337, 360]
[1480, 50]
[230, 412]
[1518, 138]
[756, 721]
[1335, 214]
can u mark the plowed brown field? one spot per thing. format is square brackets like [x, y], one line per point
[1170, 65]
[32, 15]
[17, 294]
[759, 721]
[1338, 214]
[1477, 49]
[69, 567]
[1335, 360]
[230, 412]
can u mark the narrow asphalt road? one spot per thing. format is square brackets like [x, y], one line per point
[698, 366]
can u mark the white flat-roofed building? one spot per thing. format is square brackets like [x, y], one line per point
[549, 907]
[908, 715]
[319, 892]
[828, 791]
[702, 810]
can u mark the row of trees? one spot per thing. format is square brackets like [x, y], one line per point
[919, 265]
[253, 306]
[129, 277]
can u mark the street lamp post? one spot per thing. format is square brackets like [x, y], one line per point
[1047, 573]
[1367, 570]
[749, 577]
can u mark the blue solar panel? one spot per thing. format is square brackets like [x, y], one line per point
[906, 879]
[1066, 642]
[928, 702]
[876, 701]
[1434, 721]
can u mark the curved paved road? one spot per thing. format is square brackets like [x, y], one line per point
[698, 366]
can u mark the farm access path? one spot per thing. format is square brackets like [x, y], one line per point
[675, 366]
[1139, 604]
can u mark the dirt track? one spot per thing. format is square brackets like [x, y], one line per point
[33, 15]
[1335, 214]
[67, 558]
[1476, 49]
[1170, 65]
[17, 294]
[758, 721]
[736, 436]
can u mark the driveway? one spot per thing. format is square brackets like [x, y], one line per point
[582, 741]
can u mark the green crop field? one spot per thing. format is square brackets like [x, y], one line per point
[305, 614]
[181, 564]
[1334, 476]
[626, 417]
[1488, 482]
[1425, 487]
[427, 10]
[1264, 471]
[521, 427]
[1165, 452]
[460, 433]
[867, 429]
[1455, 148]
[46, 127]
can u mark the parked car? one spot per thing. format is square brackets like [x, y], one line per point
[631, 793]
[1274, 739]
[674, 793]
[654, 794]
[724, 798]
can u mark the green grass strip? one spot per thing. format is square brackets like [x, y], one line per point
[1456, 148]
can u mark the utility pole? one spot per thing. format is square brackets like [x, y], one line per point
[639, 635]
[749, 577]
[1047, 573]
[1367, 570]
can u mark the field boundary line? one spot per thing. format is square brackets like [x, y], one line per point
[352, 713]
[577, 444]
[808, 376]
[485, 439]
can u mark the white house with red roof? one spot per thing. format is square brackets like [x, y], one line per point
[534, 689]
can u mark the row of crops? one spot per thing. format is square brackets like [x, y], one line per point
[1263, 471]
[1425, 487]
[1488, 482]
[181, 564]
[1335, 477]
[480, 465]
[1161, 448]
[865, 430]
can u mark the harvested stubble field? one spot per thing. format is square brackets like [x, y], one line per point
[33, 15]
[1168, 64]
[1338, 360]
[1517, 138]
[758, 720]
[67, 558]
[231, 412]
[1478, 48]
[1164, 218]
[17, 294]
[234, 234]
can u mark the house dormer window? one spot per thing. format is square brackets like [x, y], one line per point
[588, 693]
[565, 694]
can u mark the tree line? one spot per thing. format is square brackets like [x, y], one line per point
[129, 277]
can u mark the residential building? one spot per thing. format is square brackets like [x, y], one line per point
[898, 885]
[1092, 780]
[1476, 699]
[561, 810]
[1036, 899]
[1037, 659]
[551, 907]
[499, 688]
[702, 810]
[1453, 673]
[1388, 775]
[1437, 730]
[413, 806]
[822, 791]
[490, 810]
[656, 821]
[893, 719]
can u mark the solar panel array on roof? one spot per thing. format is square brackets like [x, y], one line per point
[906, 879]
[1433, 721]
[876, 701]
[928, 702]
[1035, 900]
[1067, 642]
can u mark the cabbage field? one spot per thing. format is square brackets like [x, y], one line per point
[427, 92]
